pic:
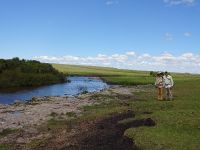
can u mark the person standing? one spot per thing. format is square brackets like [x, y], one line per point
[168, 84]
[159, 83]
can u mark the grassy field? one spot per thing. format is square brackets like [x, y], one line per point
[110, 75]
[177, 122]
[117, 76]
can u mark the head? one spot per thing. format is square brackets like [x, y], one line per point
[159, 74]
[166, 73]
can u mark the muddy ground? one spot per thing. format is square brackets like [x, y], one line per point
[104, 133]
[101, 134]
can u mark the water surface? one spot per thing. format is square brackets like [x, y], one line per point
[76, 86]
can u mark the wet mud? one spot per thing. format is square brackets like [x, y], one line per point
[107, 134]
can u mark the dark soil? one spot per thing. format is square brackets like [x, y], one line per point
[107, 134]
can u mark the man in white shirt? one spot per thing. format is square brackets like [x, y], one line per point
[168, 84]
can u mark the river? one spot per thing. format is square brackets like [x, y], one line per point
[75, 86]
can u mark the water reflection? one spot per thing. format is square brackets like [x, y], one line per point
[76, 86]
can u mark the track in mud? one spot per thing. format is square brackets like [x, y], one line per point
[107, 134]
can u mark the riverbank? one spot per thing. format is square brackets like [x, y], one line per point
[40, 109]
[37, 111]
[51, 112]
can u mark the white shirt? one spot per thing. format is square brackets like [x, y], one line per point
[168, 81]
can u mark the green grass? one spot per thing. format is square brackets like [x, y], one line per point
[8, 131]
[117, 76]
[110, 75]
[53, 114]
[102, 110]
[95, 71]
[4, 133]
[71, 114]
[6, 147]
[177, 122]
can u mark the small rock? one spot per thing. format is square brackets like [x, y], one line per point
[20, 140]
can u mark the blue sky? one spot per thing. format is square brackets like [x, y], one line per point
[56, 30]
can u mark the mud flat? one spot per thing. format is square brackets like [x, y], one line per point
[39, 109]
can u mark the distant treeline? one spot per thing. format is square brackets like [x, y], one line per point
[23, 73]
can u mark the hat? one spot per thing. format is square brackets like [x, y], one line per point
[159, 72]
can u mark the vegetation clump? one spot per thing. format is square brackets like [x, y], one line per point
[7, 131]
[24, 73]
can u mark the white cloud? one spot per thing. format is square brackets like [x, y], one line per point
[131, 53]
[169, 37]
[112, 2]
[180, 2]
[187, 62]
[187, 34]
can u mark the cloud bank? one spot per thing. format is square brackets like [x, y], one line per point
[180, 2]
[187, 62]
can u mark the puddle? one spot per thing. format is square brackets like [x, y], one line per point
[16, 112]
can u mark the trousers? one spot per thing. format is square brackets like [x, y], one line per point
[169, 95]
[160, 93]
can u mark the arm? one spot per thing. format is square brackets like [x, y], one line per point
[156, 84]
[163, 81]
[172, 81]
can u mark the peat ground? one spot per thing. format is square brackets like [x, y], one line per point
[101, 134]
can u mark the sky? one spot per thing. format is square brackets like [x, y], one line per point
[129, 34]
